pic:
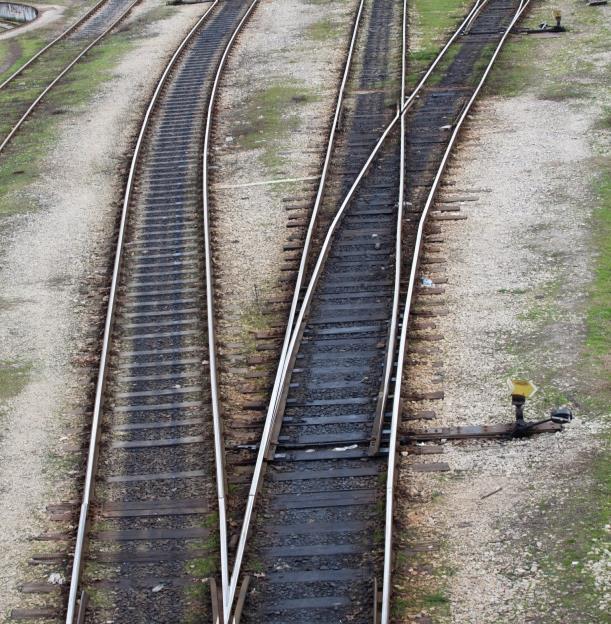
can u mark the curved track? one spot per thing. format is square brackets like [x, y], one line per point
[148, 533]
[316, 535]
[318, 542]
[23, 91]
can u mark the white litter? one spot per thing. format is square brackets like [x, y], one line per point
[158, 588]
[345, 448]
[55, 578]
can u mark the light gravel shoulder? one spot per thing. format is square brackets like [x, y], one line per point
[50, 256]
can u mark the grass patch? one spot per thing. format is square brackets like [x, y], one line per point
[29, 44]
[560, 77]
[269, 116]
[574, 548]
[14, 376]
[323, 30]
[599, 313]
[429, 23]
[206, 566]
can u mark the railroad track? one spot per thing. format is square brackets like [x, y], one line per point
[152, 525]
[323, 532]
[23, 91]
[328, 575]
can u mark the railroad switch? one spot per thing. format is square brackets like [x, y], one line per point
[522, 389]
[544, 27]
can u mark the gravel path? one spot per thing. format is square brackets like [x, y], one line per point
[288, 59]
[526, 238]
[49, 259]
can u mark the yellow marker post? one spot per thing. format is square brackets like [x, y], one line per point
[521, 387]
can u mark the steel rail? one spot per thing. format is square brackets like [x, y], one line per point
[99, 395]
[378, 425]
[283, 364]
[61, 36]
[321, 188]
[309, 234]
[64, 71]
[280, 383]
[383, 395]
[395, 418]
[219, 447]
[467, 27]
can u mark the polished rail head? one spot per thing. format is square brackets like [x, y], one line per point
[387, 584]
[97, 408]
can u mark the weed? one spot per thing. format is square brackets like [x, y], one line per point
[323, 30]
[14, 376]
[429, 23]
[269, 115]
[599, 313]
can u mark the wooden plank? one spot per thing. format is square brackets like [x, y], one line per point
[151, 534]
[152, 556]
[42, 613]
[39, 588]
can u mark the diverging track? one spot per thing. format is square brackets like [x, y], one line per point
[323, 531]
[152, 510]
[318, 542]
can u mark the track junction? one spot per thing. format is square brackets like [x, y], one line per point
[316, 541]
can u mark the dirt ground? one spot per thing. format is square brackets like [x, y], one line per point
[516, 531]
[51, 261]
[275, 107]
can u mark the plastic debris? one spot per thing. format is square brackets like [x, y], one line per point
[55, 578]
[345, 448]
[158, 588]
[426, 281]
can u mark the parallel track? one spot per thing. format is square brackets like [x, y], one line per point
[24, 90]
[317, 546]
[151, 510]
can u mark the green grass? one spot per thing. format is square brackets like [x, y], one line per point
[567, 76]
[572, 540]
[435, 599]
[323, 30]
[14, 376]
[599, 313]
[29, 44]
[429, 25]
[270, 116]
